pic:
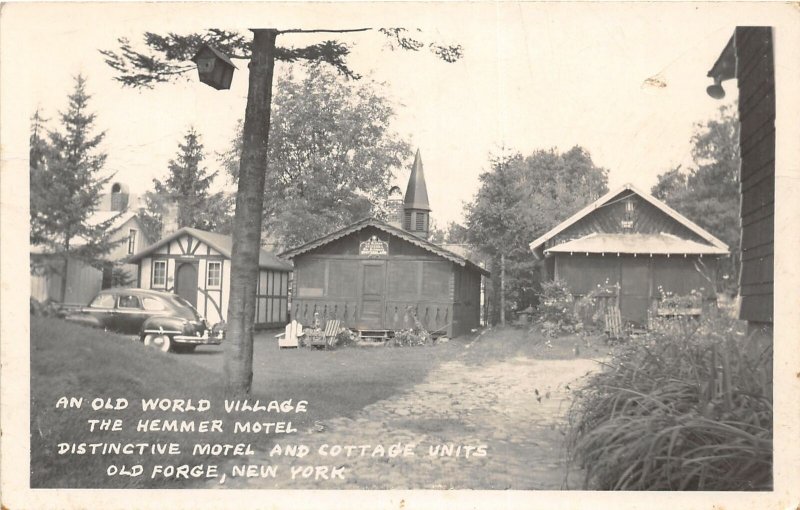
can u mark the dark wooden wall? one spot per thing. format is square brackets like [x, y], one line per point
[639, 278]
[756, 78]
[329, 281]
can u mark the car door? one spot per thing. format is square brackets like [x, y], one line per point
[100, 311]
[129, 314]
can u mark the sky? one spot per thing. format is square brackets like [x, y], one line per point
[533, 76]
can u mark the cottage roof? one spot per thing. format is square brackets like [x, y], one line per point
[117, 220]
[220, 242]
[417, 190]
[602, 201]
[643, 244]
[406, 236]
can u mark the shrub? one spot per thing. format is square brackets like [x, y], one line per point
[411, 338]
[555, 312]
[346, 338]
[687, 406]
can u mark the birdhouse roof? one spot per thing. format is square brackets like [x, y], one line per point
[208, 48]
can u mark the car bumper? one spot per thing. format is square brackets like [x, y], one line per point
[206, 338]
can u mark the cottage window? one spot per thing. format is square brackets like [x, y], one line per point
[159, 273]
[131, 241]
[214, 274]
[436, 280]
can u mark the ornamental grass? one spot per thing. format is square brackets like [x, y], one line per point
[686, 407]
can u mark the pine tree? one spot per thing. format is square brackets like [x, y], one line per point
[66, 187]
[187, 186]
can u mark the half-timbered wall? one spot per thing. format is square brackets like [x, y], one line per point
[756, 78]
[213, 281]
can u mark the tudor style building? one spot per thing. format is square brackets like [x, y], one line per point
[196, 265]
[375, 276]
[629, 238]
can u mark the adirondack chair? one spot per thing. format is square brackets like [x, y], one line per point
[331, 330]
[613, 322]
[289, 337]
[328, 336]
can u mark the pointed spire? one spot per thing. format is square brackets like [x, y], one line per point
[417, 191]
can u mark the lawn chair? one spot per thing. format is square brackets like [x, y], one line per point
[613, 323]
[331, 330]
[326, 338]
[288, 338]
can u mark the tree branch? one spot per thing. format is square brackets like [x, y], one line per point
[323, 30]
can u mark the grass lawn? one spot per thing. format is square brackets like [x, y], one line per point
[71, 360]
[74, 361]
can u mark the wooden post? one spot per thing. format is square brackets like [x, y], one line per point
[247, 219]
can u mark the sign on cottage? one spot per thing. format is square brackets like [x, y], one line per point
[373, 246]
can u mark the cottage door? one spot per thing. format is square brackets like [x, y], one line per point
[373, 291]
[635, 290]
[186, 282]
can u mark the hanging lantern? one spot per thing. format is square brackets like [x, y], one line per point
[214, 67]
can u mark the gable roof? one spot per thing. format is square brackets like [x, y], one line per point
[389, 229]
[600, 202]
[220, 242]
[117, 220]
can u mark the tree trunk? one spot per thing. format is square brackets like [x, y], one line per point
[502, 289]
[247, 220]
[63, 290]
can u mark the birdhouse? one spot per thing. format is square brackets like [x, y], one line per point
[214, 67]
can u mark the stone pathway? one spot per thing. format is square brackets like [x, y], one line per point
[494, 407]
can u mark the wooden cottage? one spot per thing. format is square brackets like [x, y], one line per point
[376, 276]
[196, 265]
[748, 57]
[629, 239]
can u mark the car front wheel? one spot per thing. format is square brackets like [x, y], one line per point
[161, 342]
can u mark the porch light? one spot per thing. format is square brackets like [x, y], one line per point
[716, 91]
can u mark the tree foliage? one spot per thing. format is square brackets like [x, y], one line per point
[521, 198]
[187, 186]
[65, 184]
[708, 192]
[331, 155]
[167, 57]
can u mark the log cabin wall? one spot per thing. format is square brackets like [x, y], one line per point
[756, 78]
[384, 292]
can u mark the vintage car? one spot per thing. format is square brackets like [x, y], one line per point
[160, 319]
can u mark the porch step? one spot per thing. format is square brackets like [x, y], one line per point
[373, 336]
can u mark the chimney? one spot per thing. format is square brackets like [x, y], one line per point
[119, 197]
[394, 206]
[169, 220]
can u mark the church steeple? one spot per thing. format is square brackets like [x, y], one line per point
[416, 208]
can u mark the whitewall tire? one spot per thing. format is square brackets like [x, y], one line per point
[161, 342]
